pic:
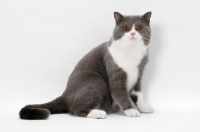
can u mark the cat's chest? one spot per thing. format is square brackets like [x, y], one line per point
[128, 58]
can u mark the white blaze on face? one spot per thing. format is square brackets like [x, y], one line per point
[127, 53]
[127, 36]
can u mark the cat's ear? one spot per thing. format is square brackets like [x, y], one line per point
[118, 17]
[147, 17]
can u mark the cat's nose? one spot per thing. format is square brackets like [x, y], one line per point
[132, 34]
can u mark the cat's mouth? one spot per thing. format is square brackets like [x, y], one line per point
[133, 39]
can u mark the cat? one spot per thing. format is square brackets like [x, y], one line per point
[106, 79]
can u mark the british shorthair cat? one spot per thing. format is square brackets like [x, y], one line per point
[107, 78]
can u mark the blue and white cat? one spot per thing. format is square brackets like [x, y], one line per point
[107, 78]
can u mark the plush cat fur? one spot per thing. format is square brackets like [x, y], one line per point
[107, 78]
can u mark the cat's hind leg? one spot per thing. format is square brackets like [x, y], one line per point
[97, 114]
[89, 97]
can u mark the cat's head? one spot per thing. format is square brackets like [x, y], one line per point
[132, 28]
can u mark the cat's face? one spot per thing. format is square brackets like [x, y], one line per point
[132, 28]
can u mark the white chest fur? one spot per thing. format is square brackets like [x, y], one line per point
[128, 56]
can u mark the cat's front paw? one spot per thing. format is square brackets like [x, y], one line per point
[132, 112]
[144, 108]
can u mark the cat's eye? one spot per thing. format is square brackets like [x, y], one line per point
[139, 27]
[126, 28]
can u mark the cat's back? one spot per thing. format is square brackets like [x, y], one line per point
[94, 61]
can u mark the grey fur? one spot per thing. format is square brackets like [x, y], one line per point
[96, 80]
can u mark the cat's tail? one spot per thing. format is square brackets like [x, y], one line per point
[42, 111]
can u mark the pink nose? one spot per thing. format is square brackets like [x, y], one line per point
[132, 33]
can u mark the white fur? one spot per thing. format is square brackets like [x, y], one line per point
[132, 113]
[127, 53]
[97, 114]
[141, 105]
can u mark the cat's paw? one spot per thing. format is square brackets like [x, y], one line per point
[144, 108]
[132, 112]
[97, 114]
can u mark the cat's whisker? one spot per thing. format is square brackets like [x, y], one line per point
[148, 40]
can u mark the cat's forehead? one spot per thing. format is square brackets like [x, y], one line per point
[133, 20]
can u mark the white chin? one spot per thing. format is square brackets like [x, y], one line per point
[133, 39]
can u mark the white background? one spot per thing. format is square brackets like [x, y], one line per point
[42, 40]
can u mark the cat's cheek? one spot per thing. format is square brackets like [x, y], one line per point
[124, 38]
[138, 36]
